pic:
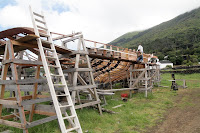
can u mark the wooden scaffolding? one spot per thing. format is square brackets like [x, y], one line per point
[23, 104]
[80, 90]
[143, 76]
[80, 74]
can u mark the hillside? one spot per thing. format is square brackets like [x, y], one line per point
[178, 38]
[124, 38]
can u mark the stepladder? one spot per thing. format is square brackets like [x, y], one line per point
[84, 76]
[53, 70]
[79, 72]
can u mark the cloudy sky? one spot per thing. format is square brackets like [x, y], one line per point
[99, 20]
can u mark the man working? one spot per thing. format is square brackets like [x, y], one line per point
[140, 54]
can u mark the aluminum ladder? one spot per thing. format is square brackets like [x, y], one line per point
[40, 25]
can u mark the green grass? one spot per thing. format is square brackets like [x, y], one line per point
[136, 115]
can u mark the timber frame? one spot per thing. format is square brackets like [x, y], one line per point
[86, 69]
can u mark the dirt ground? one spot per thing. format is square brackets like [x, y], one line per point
[184, 117]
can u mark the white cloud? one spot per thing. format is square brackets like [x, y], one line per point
[100, 20]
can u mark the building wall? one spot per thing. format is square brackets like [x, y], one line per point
[163, 65]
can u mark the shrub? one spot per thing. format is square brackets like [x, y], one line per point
[169, 66]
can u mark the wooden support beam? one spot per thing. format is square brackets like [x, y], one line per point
[40, 112]
[23, 81]
[8, 102]
[114, 90]
[78, 70]
[25, 45]
[87, 104]
[33, 101]
[72, 39]
[41, 121]
[82, 87]
[84, 83]
[17, 90]
[12, 124]
[23, 98]
[79, 52]
[25, 87]
[138, 78]
[65, 36]
[3, 75]
[22, 62]
[12, 115]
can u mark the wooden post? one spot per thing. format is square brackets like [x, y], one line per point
[3, 76]
[91, 76]
[146, 84]
[95, 45]
[34, 95]
[104, 46]
[131, 78]
[109, 78]
[17, 91]
[184, 84]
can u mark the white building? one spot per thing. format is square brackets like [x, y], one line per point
[164, 63]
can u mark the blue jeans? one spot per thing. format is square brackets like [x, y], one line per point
[140, 58]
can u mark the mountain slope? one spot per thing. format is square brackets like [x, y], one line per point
[178, 38]
[124, 38]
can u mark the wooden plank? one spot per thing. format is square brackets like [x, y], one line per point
[72, 39]
[33, 44]
[25, 45]
[87, 104]
[105, 93]
[40, 112]
[65, 36]
[8, 102]
[12, 124]
[41, 121]
[33, 101]
[79, 52]
[26, 87]
[145, 89]
[84, 83]
[141, 79]
[25, 97]
[12, 115]
[37, 75]
[23, 81]
[68, 63]
[22, 62]
[114, 90]
[81, 87]
[42, 96]
[46, 109]
[137, 70]
[3, 76]
[78, 70]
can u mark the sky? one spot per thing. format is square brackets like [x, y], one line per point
[98, 20]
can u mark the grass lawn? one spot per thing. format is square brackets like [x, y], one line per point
[136, 115]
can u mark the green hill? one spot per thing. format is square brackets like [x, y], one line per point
[124, 38]
[178, 38]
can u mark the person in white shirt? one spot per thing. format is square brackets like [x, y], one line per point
[140, 54]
